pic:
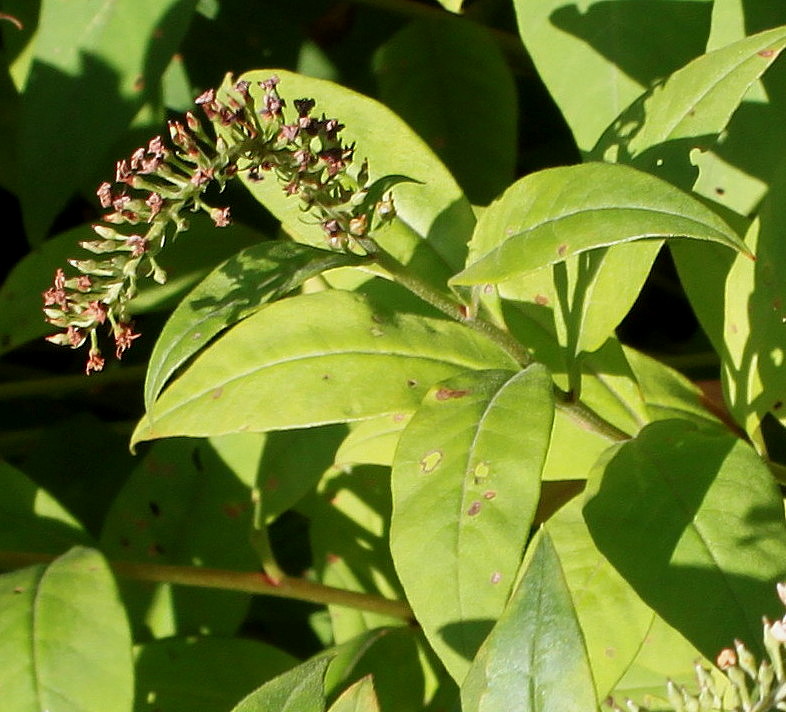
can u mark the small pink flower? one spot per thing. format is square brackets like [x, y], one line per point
[124, 337]
[97, 310]
[95, 362]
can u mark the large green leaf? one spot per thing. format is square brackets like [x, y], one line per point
[297, 690]
[315, 359]
[535, 659]
[188, 503]
[65, 641]
[93, 66]
[465, 489]
[204, 673]
[754, 378]
[556, 213]
[232, 291]
[698, 532]
[418, 78]
[186, 260]
[434, 221]
[596, 57]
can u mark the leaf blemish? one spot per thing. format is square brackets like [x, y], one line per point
[430, 461]
[411, 382]
[217, 393]
[541, 299]
[376, 331]
[474, 508]
[155, 510]
[496, 577]
[562, 250]
[481, 472]
[489, 494]
[766, 53]
[444, 394]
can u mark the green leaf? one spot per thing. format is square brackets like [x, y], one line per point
[204, 673]
[753, 321]
[293, 462]
[373, 441]
[311, 360]
[434, 212]
[186, 261]
[617, 50]
[31, 519]
[666, 392]
[631, 660]
[65, 638]
[534, 660]
[93, 66]
[721, 540]
[465, 489]
[297, 690]
[556, 213]
[232, 291]
[696, 102]
[359, 697]
[188, 503]
[350, 519]
[468, 117]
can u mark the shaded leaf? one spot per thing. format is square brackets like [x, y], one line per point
[460, 114]
[208, 674]
[534, 659]
[31, 519]
[65, 637]
[188, 503]
[556, 213]
[721, 539]
[465, 489]
[311, 360]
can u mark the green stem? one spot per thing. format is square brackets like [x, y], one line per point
[260, 540]
[245, 581]
[574, 408]
[450, 307]
[587, 418]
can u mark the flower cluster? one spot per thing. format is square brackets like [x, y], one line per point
[159, 184]
[752, 686]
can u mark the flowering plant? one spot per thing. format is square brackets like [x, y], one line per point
[396, 391]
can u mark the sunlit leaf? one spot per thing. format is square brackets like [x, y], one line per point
[556, 213]
[465, 488]
[315, 359]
